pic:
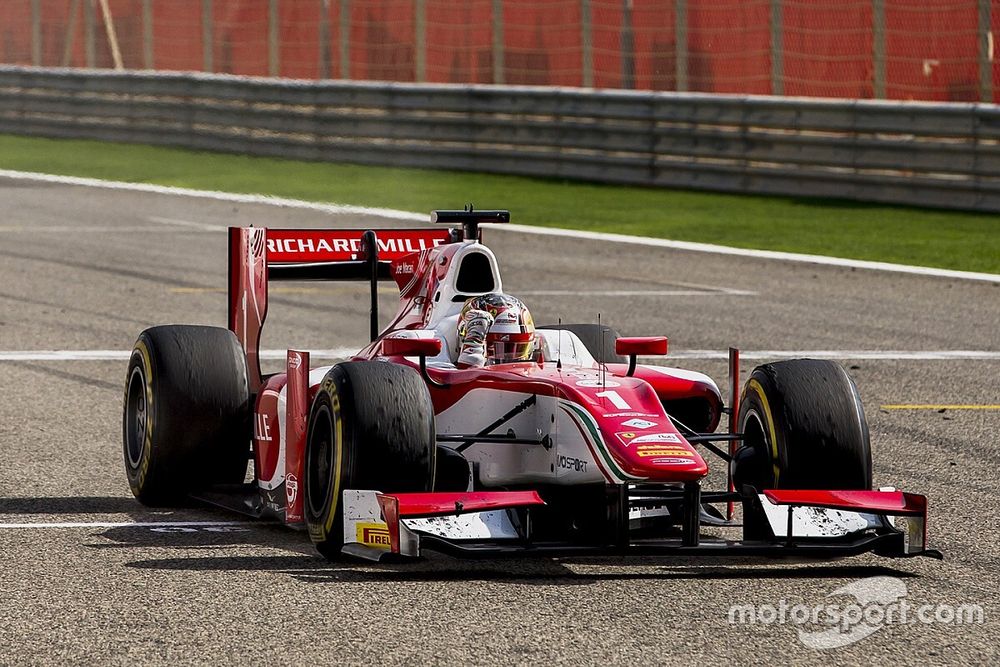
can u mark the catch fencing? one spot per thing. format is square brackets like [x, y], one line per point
[934, 50]
[939, 155]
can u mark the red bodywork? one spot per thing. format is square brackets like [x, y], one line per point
[418, 260]
[617, 410]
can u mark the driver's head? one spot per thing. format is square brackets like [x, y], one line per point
[494, 329]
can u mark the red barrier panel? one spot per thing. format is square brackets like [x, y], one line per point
[930, 49]
[828, 49]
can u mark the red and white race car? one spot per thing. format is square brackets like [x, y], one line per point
[577, 449]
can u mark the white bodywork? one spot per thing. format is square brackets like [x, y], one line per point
[567, 461]
[316, 376]
[366, 533]
[817, 521]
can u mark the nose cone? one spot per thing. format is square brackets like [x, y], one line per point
[661, 454]
[637, 433]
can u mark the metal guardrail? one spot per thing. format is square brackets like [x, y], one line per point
[940, 155]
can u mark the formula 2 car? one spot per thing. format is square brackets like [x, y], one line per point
[577, 450]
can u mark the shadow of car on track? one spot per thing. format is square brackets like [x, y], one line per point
[309, 567]
[72, 505]
[177, 535]
[542, 571]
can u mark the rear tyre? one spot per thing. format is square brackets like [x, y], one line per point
[804, 428]
[371, 426]
[598, 339]
[186, 413]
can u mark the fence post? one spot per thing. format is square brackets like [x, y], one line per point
[420, 39]
[112, 34]
[147, 34]
[36, 33]
[985, 57]
[89, 53]
[345, 39]
[273, 38]
[586, 46]
[878, 48]
[681, 44]
[207, 36]
[71, 26]
[777, 49]
[498, 42]
[627, 47]
[324, 39]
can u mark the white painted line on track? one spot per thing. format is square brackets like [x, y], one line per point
[887, 355]
[675, 292]
[123, 355]
[347, 287]
[93, 229]
[746, 252]
[337, 209]
[187, 223]
[129, 524]
[347, 352]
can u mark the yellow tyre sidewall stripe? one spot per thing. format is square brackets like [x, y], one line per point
[338, 450]
[754, 386]
[147, 445]
[323, 530]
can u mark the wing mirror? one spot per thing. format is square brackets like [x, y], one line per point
[415, 347]
[648, 346]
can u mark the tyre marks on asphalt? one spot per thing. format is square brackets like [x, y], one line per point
[939, 408]
[164, 526]
[117, 272]
[66, 375]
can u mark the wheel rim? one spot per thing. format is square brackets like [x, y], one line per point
[757, 469]
[135, 417]
[319, 462]
[753, 431]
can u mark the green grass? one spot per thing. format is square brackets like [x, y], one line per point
[946, 239]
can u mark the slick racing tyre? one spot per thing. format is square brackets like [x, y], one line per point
[598, 339]
[186, 416]
[371, 427]
[804, 428]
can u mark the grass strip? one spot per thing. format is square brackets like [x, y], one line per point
[841, 228]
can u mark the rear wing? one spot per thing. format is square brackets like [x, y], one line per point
[258, 255]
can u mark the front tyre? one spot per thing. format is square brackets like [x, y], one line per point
[371, 426]
[186, 412]
[804, 428]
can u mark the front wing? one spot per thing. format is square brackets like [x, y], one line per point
[795, 525]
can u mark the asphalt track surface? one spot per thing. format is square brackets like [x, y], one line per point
[87, 269]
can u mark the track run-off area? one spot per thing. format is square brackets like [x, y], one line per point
[91, 576]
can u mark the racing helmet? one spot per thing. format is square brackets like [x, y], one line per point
[495, 329]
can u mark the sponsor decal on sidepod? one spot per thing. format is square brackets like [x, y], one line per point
[291, 488]
[570, 463]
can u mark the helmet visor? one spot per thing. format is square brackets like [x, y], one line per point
[507, 351]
